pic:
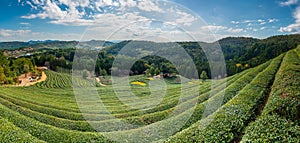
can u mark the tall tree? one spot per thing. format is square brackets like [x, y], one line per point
[203, 75]
[2, 76]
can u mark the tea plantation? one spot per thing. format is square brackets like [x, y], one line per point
[261, 104]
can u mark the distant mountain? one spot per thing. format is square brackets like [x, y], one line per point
[53, 44]
[13, 45]
[31, 42]
[94, 44]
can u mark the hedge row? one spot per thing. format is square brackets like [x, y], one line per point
[62, 99]
[227, 124]
[163, 129]
[29, 91]
[162, 126]
[78, 125]
[219, 99]
[285, 95]
[49, 133]
[84, 126]
[272, 128]
[60, 113]
[61, 80]
[9, 133]
[278, 122]
[165, 109]
[55, 112]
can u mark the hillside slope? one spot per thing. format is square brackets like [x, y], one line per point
[260, 104]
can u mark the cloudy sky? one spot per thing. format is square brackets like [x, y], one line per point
[173, 20]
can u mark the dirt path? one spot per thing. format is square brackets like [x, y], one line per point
[43, 78]
[26, 81]
[99, 82]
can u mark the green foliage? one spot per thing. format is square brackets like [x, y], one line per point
[272, 128]
[285, 95]
[10, 69]
[203, 75]
[228, 122]
[248, 52]
[62, 80]
[46, 132]
[9, 133]
[2, 76]
[48, 111]
[279, 121]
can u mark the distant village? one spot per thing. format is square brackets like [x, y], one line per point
[24, 52]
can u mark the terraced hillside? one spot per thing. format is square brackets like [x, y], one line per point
[260, 104]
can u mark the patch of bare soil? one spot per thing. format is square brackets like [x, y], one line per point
[27, 81]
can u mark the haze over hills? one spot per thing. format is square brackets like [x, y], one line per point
[52, 44]
[240, 53]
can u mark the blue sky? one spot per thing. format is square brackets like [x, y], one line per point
[176, 20]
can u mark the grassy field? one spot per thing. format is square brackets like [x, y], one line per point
[260, 104]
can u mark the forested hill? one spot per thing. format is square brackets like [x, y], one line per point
[240, 52]
[234, 48]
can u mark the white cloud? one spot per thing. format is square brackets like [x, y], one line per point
[272, 20]
[49, 10]
[127, 3]
[292, 28]
[288, 3]
[73, 22]
[106, 16]
[185, 18]
[74, 10]
[149, 6]
[13, 33]
[295, 27]
[52, 10]
[261, 21]
[235, 22]
[103, 3]
[248, 21]
[24, 23]
[214, 27]
[232, 30]
[263, 28]
[220, 29]
[29, 3]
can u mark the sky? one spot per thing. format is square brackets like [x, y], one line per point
[157, 20]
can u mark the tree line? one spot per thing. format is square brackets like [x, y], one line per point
[239, 53]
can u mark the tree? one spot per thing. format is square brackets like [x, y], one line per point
[151, 70]
[2, 76]
[156, 71]
[203, 75]
[26, 69]
[103, 72]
